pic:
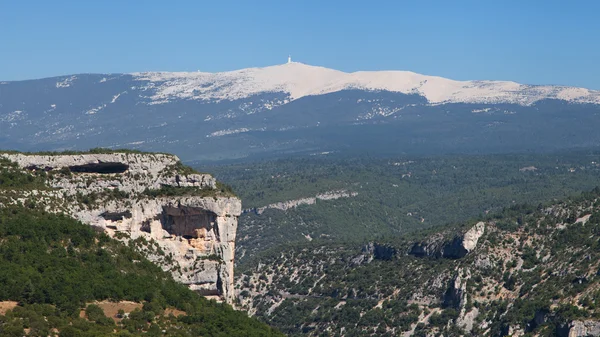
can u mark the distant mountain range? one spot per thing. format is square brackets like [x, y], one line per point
[299, 80]
[293, 108]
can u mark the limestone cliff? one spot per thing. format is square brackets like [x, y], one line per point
[584, 329]
[181, 219]
[438, 246]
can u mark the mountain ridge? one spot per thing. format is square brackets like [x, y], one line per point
[292, 108]
[291, 78]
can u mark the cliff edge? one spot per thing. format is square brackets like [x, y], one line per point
[182, 220]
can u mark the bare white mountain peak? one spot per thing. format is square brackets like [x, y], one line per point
[300, 80]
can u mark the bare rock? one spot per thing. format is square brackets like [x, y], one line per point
[584, 329]
[190, 236]
[456, 248]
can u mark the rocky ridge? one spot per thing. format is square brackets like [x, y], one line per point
[528, 271]
[288, 204]
[299, 80]
[181, 219]
[292, 108]
[458, 247]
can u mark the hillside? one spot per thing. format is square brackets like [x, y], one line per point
[184, 221]
[293, 108]
[333, 197]
[529, 270]
[52, 267]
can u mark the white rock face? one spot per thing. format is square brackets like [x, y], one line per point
[191, 236]
[472, 236]
[285, 205]
[466, 320]
[144, 171]
[584, 329]
[205, 262]
[299, 80]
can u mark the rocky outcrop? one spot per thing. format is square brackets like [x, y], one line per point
[456, 294]
[471, 237]
[191, 232]
[289, 204]
[527, 272]
[375, 251]
[584, 329]
[197, 236]
[380, 252]
[143, 171]
[458, 247]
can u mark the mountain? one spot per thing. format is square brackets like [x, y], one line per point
[298, 80]
[292, 108]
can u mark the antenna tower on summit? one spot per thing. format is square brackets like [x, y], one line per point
[289, 58]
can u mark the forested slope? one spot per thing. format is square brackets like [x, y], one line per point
[391, 196]
[52, 267]
[528, 270]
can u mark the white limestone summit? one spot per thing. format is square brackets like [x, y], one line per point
[300, 80]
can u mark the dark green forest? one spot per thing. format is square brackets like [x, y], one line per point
[396, 195]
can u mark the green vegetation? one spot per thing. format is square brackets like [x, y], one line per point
[395, 195]
[53, 265]
[12, 177]
[543, 267]
[180, 168]
[173, 191]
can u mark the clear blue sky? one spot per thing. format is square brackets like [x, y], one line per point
[537, 42]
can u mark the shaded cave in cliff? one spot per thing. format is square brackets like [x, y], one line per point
[213, 289]
[108, 167]
[116, 216]
[190, 222]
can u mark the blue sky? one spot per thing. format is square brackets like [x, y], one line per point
[537, 42]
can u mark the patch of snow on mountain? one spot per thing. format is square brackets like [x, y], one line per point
[52, 108]
[95, 110]
[63, 129]
[379, 110]
[114, 99]
[300, 80]
[227, 132]
[16, 115]
[65, 83]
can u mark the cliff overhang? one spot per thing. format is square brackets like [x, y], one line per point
[182, 220]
